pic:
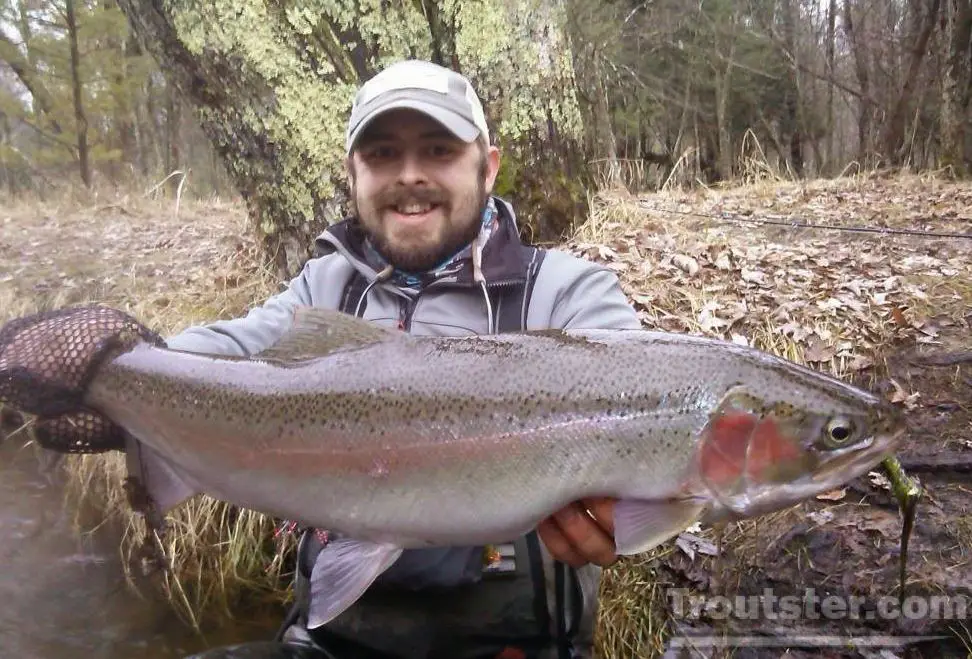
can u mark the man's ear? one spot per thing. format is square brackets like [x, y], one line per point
[492, 166]
[349, 168]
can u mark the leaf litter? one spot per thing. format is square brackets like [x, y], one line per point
[859, 305]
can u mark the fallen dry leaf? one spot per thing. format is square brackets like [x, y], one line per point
[879, 480]
[691, 543]
[686, 263]
[833, 495]
[819, 351]
[820, 517]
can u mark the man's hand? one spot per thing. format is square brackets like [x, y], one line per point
[581, 533]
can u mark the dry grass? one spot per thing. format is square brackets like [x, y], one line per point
[829, 300]
[632, 616]
[171, 267]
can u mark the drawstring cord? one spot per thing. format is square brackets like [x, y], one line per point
[489, 306]
[384, 275]
[477, 255]
[389, 269]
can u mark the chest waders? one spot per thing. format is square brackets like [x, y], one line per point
[503, 614]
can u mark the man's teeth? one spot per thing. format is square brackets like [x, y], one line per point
[414, 209]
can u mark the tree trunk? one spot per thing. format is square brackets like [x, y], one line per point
[723, 83]
[854, 30]
[149, 131]
[895, 142]
[173, 134]
[81, 122]
[792, 101]
[958, 14]
[271, 88]
[125, 132]
[831, 74]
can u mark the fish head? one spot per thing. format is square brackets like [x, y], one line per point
[758, 454]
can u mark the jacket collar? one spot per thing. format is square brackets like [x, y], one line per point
[504, 259]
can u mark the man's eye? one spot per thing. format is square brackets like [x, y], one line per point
[441, 150]
[380, 153]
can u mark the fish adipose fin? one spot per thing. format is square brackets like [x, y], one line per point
[316, 332]
[343, 571]
[642, 525]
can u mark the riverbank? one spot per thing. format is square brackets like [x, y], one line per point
[736, 263]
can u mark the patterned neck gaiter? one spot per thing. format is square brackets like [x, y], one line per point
[415, 281]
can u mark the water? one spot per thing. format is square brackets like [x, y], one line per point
[65, 596]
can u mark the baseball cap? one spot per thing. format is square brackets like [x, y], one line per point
[441, 93]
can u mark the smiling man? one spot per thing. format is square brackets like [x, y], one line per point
[417, 189]
[428, 249]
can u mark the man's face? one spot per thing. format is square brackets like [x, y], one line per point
[419, 191]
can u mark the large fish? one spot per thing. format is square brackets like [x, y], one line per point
[395, 441]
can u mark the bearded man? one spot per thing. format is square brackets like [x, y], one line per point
[428, 249]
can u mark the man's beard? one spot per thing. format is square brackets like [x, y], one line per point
[457, 234]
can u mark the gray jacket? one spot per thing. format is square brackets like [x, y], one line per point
[568, 293]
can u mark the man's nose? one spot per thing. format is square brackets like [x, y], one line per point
[412, 170]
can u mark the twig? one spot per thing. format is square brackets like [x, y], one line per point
[947, 359]
[177, 172]
[952, 461]
[179, 191]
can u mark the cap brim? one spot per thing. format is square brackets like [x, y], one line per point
[455, 124]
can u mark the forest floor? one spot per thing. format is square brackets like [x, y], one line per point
[880, 303]
[884, 302]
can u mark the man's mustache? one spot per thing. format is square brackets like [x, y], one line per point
[403, 196]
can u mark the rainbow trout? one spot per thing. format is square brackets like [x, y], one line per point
[395, 441]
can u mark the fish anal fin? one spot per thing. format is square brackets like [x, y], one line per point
[316, 332]
[343, 571]
[162, 483]
[643, 525]
[154, 486]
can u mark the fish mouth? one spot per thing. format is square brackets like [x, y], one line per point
[841, 467]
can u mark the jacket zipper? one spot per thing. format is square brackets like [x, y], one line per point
[406, 310]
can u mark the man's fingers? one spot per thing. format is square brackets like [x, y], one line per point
[557, 544]
[585, 535]
[603, 512]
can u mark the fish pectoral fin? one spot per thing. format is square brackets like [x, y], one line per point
[316, 332]
[343, 571]
[642, 525]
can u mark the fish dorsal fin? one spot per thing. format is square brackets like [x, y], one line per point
[316, 332]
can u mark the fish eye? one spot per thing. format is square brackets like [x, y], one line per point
[839, 430]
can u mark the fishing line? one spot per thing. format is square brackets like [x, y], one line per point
[799, 223]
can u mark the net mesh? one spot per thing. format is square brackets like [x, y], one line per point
[79, 432]
[46, 362]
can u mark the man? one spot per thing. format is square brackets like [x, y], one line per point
[430, 251]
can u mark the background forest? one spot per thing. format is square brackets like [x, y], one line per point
[641, 93]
